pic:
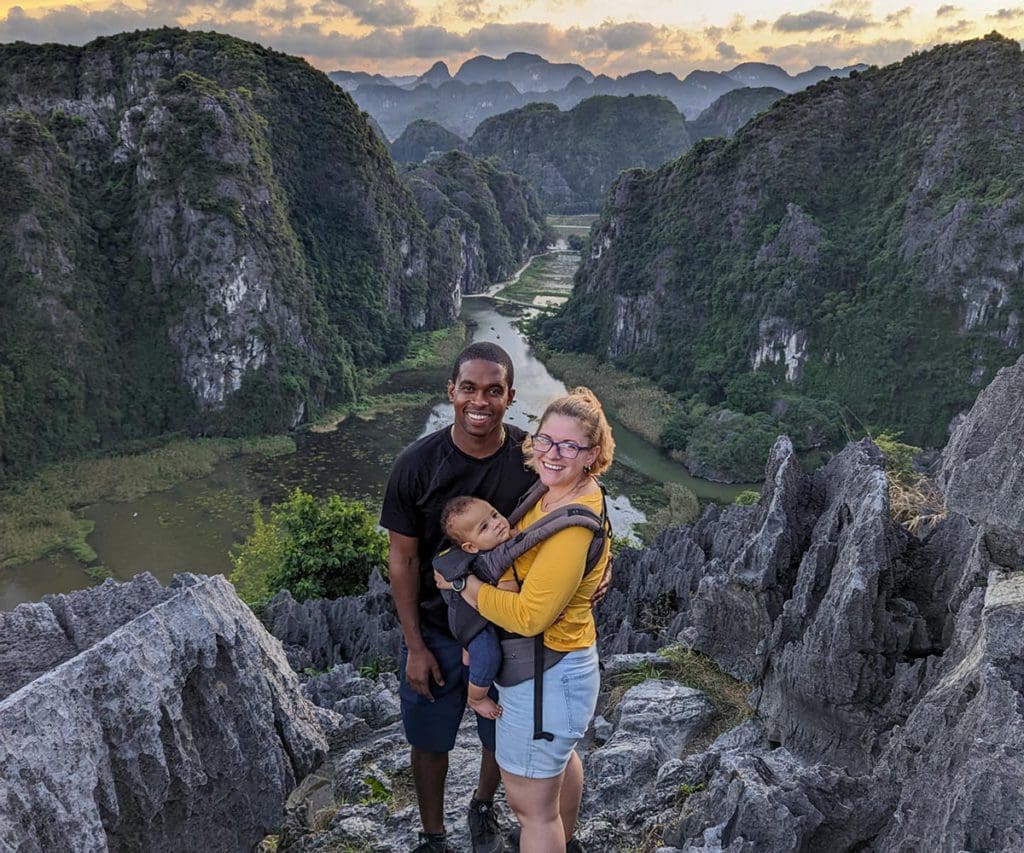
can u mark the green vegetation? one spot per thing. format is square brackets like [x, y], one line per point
[914, 500]
[682, 508]
[573, 157]
[422, 138]
[750, 497]
[38, 515]
[546, 282]
[314, 549]
[638, 403]
[834, 238]
[432, 351]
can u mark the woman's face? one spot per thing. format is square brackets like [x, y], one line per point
[555, 469]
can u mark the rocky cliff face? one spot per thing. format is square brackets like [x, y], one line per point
[882, 664]
[192, 220]
[135, 716]
[864, 233]
[572, 157]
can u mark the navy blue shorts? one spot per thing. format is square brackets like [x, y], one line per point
[432, 726]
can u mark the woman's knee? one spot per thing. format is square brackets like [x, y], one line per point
[532, 799]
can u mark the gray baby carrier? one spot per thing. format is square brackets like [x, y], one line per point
[522, 657]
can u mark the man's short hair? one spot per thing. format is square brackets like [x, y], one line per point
[485, 351]
[451, 513]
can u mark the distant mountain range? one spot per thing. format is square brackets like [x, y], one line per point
[572, 156]
[484, 86]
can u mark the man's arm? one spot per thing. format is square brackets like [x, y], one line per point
[404, 574]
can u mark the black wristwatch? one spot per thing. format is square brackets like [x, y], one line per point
[459, 584]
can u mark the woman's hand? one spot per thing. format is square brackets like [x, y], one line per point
[440, 581]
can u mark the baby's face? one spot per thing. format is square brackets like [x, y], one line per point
[482, 527]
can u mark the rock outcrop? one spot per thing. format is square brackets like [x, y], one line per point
[142, 717]
[886, 668]
[320, 633]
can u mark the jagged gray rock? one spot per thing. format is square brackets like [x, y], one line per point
[321, 633]
[173, 722]
[654, 721]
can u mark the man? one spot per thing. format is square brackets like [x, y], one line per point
[478, 455]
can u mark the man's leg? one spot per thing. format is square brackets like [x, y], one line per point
[429, 771]
[431, 728]
[490, 775]
[484, 831]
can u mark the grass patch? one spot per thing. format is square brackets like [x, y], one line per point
[573, 220]
[37, 516]
[638, 403]
[545, 282]
[692, 669]
[403, 791]
[426, 351]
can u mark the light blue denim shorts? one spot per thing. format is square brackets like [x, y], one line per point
[570, 697]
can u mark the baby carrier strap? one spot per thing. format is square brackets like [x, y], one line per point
[543, 657]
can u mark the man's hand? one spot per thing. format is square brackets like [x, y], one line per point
[420, 665]
[603, 587]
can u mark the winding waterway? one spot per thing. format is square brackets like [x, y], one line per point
[192, 526]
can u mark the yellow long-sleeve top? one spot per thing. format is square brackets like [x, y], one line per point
[551, 574]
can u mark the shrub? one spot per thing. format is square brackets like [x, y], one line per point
[314, 549]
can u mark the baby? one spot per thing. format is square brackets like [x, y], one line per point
[474, 526]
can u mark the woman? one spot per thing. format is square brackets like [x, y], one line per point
[544, 779]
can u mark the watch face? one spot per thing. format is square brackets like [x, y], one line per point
[459, 584]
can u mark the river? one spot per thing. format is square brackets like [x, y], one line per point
[192, 526]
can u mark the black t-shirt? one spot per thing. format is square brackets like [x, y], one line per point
[432, 471]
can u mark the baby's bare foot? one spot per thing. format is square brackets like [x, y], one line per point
[485, 707]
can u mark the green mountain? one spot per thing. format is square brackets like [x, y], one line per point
[488, 221]
[422, 139]
[858, 244]
[198, 233]
[731, 111]
[573, 157]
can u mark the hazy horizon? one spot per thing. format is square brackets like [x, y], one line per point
[399, 37]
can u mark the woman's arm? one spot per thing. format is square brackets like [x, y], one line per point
[548, 587]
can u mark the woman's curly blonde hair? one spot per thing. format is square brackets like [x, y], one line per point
[581, 404]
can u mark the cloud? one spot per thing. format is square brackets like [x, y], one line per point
[959, 28]
[1007, 14]
[372, 13]
[819, 19]
[946, 11]
[71, 25]
[727, 51]
[899, 17]
[836, 52]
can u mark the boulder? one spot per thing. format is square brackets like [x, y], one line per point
[178, 724]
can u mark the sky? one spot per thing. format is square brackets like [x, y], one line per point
[609, 36]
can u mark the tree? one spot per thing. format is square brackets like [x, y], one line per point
[314, 549]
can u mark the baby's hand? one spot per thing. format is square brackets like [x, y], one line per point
[440, 581]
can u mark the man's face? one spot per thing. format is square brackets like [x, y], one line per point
[480, 395]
